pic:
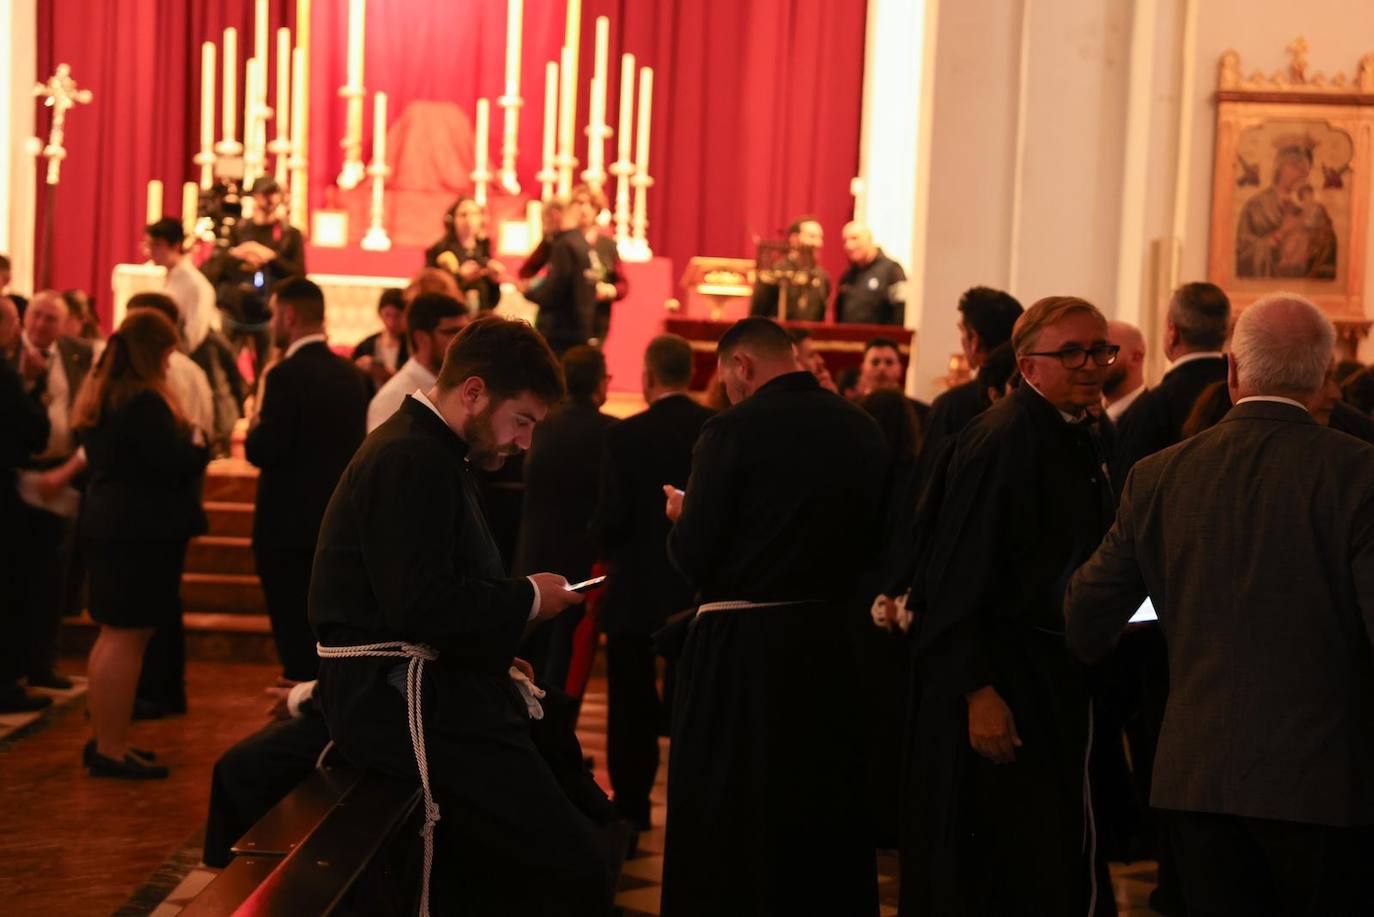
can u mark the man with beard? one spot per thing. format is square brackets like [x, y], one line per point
[310, 419]
[882, 368]
[410, 602]
[763, 818]
[996, 811]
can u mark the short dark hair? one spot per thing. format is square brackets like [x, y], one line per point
[1202, 314]
[166, 230]
[394, 297]
[762, 335]
[1358, 390]
[158, 301]
[4, 262]
[303, 296]
[584, 369]
[847, 379]
[426, 311]
[799, 334]
[990, 314]
[1046, 312]
[886, 343]
[669, 358]
[506, 354]
[795, 226]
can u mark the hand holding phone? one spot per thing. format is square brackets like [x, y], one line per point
[587, 584]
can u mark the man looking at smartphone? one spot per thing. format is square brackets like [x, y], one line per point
[418, 622]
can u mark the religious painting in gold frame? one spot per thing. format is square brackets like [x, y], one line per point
[1291, 185]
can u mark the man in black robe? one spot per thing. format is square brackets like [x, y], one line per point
[766, 799]
[995, 805]
[405, 554]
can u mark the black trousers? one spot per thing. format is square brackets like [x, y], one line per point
[285, 575]
[1233, 865]
[254, 775]
[42, 575]
[162, 680]
[633, 722]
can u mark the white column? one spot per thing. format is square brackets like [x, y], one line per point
[894, 140]
[18, 178]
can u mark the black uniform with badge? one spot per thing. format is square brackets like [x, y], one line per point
[405, 554]
[873, 293]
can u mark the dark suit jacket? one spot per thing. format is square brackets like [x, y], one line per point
[1155, 420]
[314, 415]
[565, 296]
[643, 453]
[77, 357]
[562, 471]
[1255, 539]
[143, 476]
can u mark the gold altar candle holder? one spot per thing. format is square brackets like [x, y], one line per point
[229, 146]
[510, 101]
[638, 247]
[548, 171]
[300, 189]
[624, 167]
[376, 239]
[567, 114]
[281, 146]
[481, 175]
[352, 173]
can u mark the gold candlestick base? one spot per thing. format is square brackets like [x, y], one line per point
[376, 239]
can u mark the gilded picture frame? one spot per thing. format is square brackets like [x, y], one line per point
[1291, 185]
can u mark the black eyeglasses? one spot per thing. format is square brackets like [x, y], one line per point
[1077, 357]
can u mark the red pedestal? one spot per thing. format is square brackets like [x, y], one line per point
[636, 320]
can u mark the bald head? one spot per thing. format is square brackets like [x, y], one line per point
[858, 243]
[1281, 345]
[1127, 374]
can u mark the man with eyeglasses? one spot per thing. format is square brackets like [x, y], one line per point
[996, 812]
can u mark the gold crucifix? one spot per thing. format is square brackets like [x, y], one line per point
[59, 93]
[1297, 67]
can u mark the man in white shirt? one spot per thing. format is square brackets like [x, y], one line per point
[432, 320]
[1126, 377]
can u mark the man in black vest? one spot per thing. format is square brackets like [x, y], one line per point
[406, 559]
[312, 416]
[762, 817]
[643, 453]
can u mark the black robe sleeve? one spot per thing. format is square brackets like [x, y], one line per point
[406, 509]
[1107, 590]
[695, 542]
[987, 514]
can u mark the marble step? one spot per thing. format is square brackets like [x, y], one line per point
[232, 593]
[221, 554]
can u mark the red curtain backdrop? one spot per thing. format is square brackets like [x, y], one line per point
[756, 106]
[141, 60]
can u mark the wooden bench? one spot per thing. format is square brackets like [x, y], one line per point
[323, 849]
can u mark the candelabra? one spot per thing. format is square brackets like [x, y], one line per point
[376, 239]
[623, 170]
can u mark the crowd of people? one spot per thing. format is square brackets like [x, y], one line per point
[1056, 618]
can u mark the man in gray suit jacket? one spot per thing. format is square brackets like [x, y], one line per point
[1255, 540]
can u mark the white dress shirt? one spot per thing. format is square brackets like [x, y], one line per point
[1279, 399]
[191, 389]
[195, 299]
[412, 376]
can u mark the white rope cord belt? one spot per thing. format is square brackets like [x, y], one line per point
[745, 606]
[418, 654]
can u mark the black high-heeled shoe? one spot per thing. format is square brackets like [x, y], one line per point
[131, 768]
[88, 753]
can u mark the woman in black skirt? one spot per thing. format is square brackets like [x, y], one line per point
[142, 506]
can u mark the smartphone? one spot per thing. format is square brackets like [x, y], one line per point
[587, 584]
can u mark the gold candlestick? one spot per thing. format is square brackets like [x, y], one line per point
[481, 175]
[206, 157]
[351, 175]
[548, 171]
[281, 146]
[300, 120]
[638, 249]
[228, 146]
[510, 100]
[376, 239]
[624, 167]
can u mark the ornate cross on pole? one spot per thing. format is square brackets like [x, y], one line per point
[59, 93]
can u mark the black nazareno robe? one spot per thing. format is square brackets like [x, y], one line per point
[1027, 499]
[405, 554]
[767, 808]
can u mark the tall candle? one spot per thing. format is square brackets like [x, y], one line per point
[283, 112]
[596, 125]
[252, 162]
[190, 207]
[230, 115]
[572, 35]
[515, 10]
[567, 112]
[298, 102]
[627, 105]
[260, 23]
[357, 15]
[603, 39]
[483, 126]
[379, 127]
[207, 95]
[646, 99]
[550, 112]
[154, 212]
